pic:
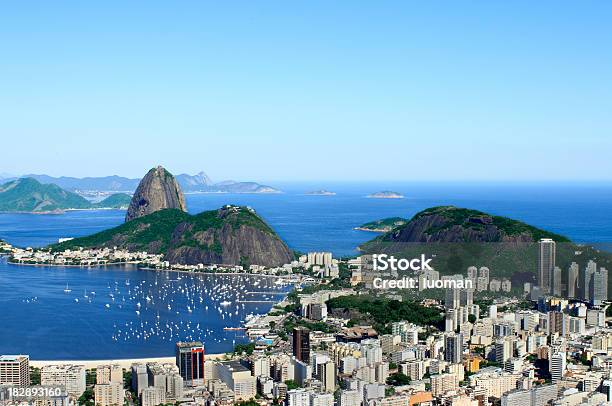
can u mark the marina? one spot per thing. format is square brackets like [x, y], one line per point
[123, 311]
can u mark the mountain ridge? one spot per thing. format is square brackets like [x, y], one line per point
[30, 196]
[199, 182]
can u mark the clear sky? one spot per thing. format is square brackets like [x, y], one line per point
[330, 90]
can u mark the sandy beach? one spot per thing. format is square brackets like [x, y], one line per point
[124, 363]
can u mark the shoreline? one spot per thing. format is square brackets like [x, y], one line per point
[371, 230]
[144, 268]
[123, 362]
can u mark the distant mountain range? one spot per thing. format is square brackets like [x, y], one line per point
[29, 195]
[189, 183]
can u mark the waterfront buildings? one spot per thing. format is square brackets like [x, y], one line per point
[70, 377]
[190, 361]
[15, 370]
[109, 394]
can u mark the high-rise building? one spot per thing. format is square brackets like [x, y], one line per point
[301, 344]
[467, 296]
[572, 280]
[70, 377]
[152, 396]
[503, 350]
[556, 281]
[557, 366]
[140, 378]
[15, 370]
[586, 278]
[298, 397]
[190, 361]
[349, 398]
[599, 287]
[238, 378]
[453, 348]
[546, 263]
[327, 376]
[452, 299]
[110, 394]
[442, 383]
[321, 399]
[109, 373]
[167, 377]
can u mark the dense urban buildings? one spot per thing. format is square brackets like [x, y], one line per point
[477, 350]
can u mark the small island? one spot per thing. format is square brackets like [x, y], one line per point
[382, 226]
[386, 194]
[321, 192]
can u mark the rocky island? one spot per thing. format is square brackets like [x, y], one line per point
[386, 194]
[321, 192]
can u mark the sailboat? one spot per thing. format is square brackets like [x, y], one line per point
[67, 290]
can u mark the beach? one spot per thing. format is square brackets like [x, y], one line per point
[124, 363]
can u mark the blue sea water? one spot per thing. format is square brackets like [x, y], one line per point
[53, 326]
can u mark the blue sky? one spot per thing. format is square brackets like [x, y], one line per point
[473, 90]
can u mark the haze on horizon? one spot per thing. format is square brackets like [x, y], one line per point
[276, 91]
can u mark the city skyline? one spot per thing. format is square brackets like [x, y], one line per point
[273, 92]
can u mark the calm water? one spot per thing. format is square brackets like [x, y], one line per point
[146, 314]
[306, 223]
[54, 326]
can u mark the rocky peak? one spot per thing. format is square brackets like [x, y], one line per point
[156, 191]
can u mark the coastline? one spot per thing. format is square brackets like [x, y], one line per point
[124, 363]
[144, 268]
[372, 230]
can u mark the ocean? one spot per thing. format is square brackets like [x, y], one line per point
[39, 319]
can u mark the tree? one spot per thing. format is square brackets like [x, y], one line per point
[250, 402]
[244, 348]
[86, 398]
[291, 384]
[472, 318]
[398, 379]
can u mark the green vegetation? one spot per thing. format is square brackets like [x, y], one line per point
[381, 312]
[247, 403]
[458, 238]
[90, 376]
[155, 232]
[34, 376]
[398, 379]
[475, 219]
[292, 322]
[86, 398]
[244, 348]
[384, 225]
[291, 384]
[29, 195]
[114, 201]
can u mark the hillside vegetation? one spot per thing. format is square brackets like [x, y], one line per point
[231, 235]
